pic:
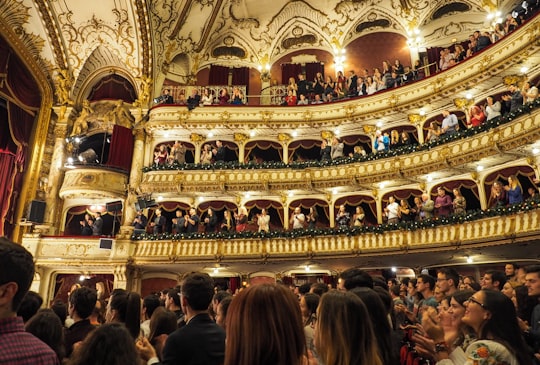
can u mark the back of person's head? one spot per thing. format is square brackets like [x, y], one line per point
[381, 282]
[497, 276]
[319, 288]
[428, 279]
[344, 333]
[395, 290]
[304, 288]
[198, 290]
[83, 301]
[222, 310]
[533, 269]
[379, 320]
[125, 307]
[46, 326]
[60, 309]
[353, 278]
[264, 327]
[451, 274]
[17, 268]
[110, 344]
[162, 322]
[150, 303]
[174, 294]
[220, 295]
[502, 326]
[30, 304]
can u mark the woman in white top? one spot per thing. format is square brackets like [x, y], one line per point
[207, 98]
[493, 108]
[530, 93]
[206, 155]
[371, 86]
[263, 221]
[492, 316]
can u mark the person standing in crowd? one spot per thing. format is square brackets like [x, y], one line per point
[336, 149]
[86, 225]
[241, 219]
[178, 153]
[210, 221]
[493, 280]
[219, 151]
[97, 227]
[81, 304]
[326, 151]
[227, 225]
[493, 108]
[358, 217]
[312, 218]
[178, 223]
[514, 100]
[201, 340]
[450, 123]
[447, 281]
[382, 142]
[428, 205]
[192, 221]
[16, 345]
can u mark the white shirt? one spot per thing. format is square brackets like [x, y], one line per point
[298, 221]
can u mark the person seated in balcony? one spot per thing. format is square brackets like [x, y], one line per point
[159, 222]
[362, 86]
[371, 86]
[450, 123]
[326, 151]
[459, 204]
[87, 225]
[194, 100]
[298, 219]
[237, 97]
[392, 211]
[182, 97]
[459, 53]
[191, 221]
[219, 151]
[533, 193]
[336, 149]
[513, 191]
[303, 86]
[263, 221]
[392, 80]
[224, 97]
[330, 98]
[179, 223]
[206, 154]
[406, 214]
[476, 117]
[210, 221]
[166, 97]
[207, 98]
[317, 99]
[312, 217]
[398, 67]
[352, 84]
[417, 208]
[529, 92]
[382, 142]
[407, 76]
[227, 225]
[140, 222]
[161, 155]
[443, 203]
[434, 131]
[241, 219]
[302, 100]
[358, 217]
[338, 90]
[290, 99]
[493, 108]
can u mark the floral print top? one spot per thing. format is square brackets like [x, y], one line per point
[482, 352]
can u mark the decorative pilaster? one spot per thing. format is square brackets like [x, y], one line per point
[241, 139]
[135, 178]
[418, 120]
[197, 140]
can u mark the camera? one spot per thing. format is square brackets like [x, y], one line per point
[160, 99]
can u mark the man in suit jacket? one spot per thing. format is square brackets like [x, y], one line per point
[428, 206]
[201, 340]
[97, 228]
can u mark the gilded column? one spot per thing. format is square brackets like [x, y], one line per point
[417, 120]
[120, 277]
[53, 204]
[379, 207]
[135, 178]
[332, 213]
[198, 141]
[241, 139]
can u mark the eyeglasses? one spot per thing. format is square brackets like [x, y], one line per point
[473, 300]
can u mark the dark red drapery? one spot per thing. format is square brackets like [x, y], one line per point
[312, 68]
[219, 75]
[121, 149]
[289, 70]
[240, 76]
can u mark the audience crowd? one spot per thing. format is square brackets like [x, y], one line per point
[438, 317]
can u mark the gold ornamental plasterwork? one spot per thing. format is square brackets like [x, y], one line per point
[93, 183]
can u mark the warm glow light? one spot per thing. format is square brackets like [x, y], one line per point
[307, 268]
[429, 178]
[210, 135]
[524, 69]
[469, 260]
[160, 198]
[295, 133]
[394, 269]
[479, 168]
[468, 95]
[252, 133]
[535, 151]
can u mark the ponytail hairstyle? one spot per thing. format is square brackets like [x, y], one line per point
[128, 308]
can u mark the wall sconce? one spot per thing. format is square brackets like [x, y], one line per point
[494, 17]
[265, 72]
[415, 41]
[339, 59]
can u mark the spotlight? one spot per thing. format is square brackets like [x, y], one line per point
[88, 156]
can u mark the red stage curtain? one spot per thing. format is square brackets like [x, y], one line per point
[121, 149]
[240, 76]
[263, 145]
[113, 87]
[219, 75]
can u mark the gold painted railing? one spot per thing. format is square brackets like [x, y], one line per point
[59, 252]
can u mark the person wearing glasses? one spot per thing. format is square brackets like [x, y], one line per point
[447, 280]
[492, 316]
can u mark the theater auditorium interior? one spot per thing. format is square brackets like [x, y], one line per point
[97, 99]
